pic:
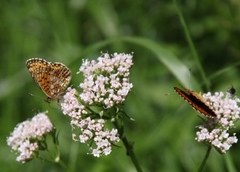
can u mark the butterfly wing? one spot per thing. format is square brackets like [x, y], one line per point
[39, 70]
[60, 77]
[52, 78]
[196, 102]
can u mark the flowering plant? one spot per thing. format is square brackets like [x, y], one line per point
[96, 114]
[29, 137]
[104, 89]
[96, 111]
[216, 131]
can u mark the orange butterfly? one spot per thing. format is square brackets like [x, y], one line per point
[52, 78]
[196, 101]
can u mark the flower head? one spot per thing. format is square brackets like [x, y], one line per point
[106, 84]
[215, 132]
[106, 80]
[28, 134]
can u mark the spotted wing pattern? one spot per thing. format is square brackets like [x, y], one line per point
[52, 78]
[196, 101]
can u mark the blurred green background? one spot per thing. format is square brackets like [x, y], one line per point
[164, 128]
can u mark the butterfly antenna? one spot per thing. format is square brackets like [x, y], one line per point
[189, 78]
[33, 95]
[36, 110]
[167, 94]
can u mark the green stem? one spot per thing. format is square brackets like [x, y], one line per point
[191, 45]
[129, 149]
[131, 153]
[56, 157]
[205, 159]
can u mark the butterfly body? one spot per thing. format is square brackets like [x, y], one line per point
[52, 78]
[197, 102]
[231, 91]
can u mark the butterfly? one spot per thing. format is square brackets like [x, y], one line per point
[196, 101]
[52, 78]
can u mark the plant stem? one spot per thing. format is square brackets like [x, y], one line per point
[129, 149]
[131, 153]
[191, 45]
[205, 159]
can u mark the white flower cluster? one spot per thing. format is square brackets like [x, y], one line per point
[71, 105]
[90, 129]
[26, 135]
[216, 131]
[106, 80]
[94, 129]
[106, 83]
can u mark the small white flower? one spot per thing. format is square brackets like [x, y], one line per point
[71, 105]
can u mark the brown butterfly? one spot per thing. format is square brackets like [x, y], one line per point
[196, 101]
[52, 78]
